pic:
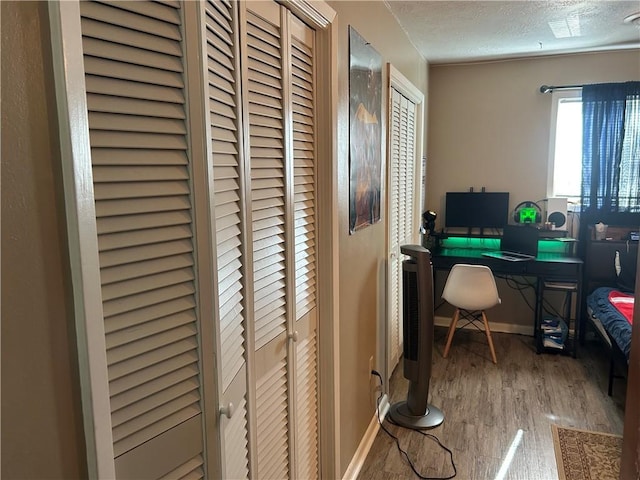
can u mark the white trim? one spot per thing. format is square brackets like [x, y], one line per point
[495, 326]
[359, 457]
[318, 13]
[68, 65]
[328, 258]
[404, 85]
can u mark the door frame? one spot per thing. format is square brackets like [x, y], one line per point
[77, 176]
[630, 463]
[400, 83]
[323, 18]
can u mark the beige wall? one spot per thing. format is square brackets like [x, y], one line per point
[41, 412]
[362, 255]
[489, 126]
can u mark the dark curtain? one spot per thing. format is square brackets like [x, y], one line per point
[610, 154]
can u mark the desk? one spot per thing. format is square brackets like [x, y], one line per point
[552, 265]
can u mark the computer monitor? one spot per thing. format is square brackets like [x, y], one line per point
[476, 209]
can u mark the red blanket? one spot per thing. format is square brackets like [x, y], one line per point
[623, 302]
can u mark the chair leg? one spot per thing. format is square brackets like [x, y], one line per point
[452, 330]
[488, 332]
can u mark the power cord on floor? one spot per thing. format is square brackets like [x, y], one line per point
[403, 452]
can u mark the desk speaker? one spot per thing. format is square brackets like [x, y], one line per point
[557, 212]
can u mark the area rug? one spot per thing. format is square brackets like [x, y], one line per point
[585, 455]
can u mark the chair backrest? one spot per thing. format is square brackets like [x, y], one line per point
[471, 287]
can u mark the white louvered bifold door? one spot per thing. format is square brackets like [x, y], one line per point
[280, 109]
[265, 104]
[136, 100]
[304, 171]
[395, 264]
[402, 197]
[228, 171]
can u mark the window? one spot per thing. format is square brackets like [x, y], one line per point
[565, 158]
[629, 185]
[565, 152]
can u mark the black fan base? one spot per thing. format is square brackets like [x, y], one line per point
[400, 414]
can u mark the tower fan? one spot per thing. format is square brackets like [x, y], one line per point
[417, 322]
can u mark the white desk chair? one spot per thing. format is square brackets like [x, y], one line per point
[471, 289]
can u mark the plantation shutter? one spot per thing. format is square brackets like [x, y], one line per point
[136, 101]
[228, 172]
[402, 198]
[304, 137]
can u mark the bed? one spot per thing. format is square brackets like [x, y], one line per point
[610, 281]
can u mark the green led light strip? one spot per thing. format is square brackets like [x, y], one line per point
[475, 243]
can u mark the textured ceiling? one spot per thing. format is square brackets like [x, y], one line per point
[468, 31]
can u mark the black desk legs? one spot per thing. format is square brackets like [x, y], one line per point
[569, 288]
[537, 323]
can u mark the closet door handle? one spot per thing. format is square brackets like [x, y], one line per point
[293, 336]
[227, 410]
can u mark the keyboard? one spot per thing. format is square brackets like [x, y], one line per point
[516, 255]
[509, 256]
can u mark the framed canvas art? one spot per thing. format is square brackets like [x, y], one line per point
[365, 132]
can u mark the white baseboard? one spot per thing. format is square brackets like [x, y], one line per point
[495, 327]
[353, 470]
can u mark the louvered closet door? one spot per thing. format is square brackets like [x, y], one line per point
[395, 264]
[228, 172]
[305, 328]
[135, 95]
[402, 197]
[268, 216]
[279, 74]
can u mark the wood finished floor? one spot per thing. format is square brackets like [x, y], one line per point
[485, 405]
